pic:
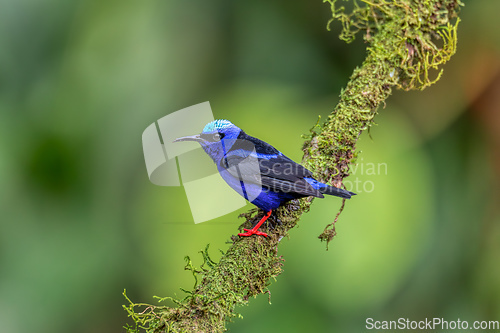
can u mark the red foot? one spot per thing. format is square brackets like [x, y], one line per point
[251, 232]
[254, 230]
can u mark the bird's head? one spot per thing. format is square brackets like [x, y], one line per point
[216, 138]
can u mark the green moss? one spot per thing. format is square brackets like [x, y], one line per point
[244, 271]
[408, 40]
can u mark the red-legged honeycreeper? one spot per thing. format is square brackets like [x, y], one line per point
[258, 171]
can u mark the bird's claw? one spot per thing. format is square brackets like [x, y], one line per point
[250, 232]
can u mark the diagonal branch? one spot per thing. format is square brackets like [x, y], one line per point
[407, 40]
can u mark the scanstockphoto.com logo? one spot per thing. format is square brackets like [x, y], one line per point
[431, 324]
[187, 165]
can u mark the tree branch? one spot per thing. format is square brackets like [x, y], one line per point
[408, 39]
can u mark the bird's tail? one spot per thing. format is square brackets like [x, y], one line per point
[338, 192]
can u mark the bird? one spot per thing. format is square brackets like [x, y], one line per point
[257, 171]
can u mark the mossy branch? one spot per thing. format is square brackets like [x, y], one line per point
[407, 40]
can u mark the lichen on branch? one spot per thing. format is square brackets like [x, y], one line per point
[407, 40]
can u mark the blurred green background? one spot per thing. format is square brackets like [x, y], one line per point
[80, 221]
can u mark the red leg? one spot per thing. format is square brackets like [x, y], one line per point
[254, 231]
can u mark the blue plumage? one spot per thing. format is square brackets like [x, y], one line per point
[258, 171]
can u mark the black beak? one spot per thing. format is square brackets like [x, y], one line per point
[196, 138]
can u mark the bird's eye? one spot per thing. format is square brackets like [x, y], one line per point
[217, 136]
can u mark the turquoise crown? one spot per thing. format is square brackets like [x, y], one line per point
[217, 125]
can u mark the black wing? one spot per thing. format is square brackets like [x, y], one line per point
[254, 161]
[282, 174]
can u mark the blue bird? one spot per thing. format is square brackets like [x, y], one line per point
[258, 171]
